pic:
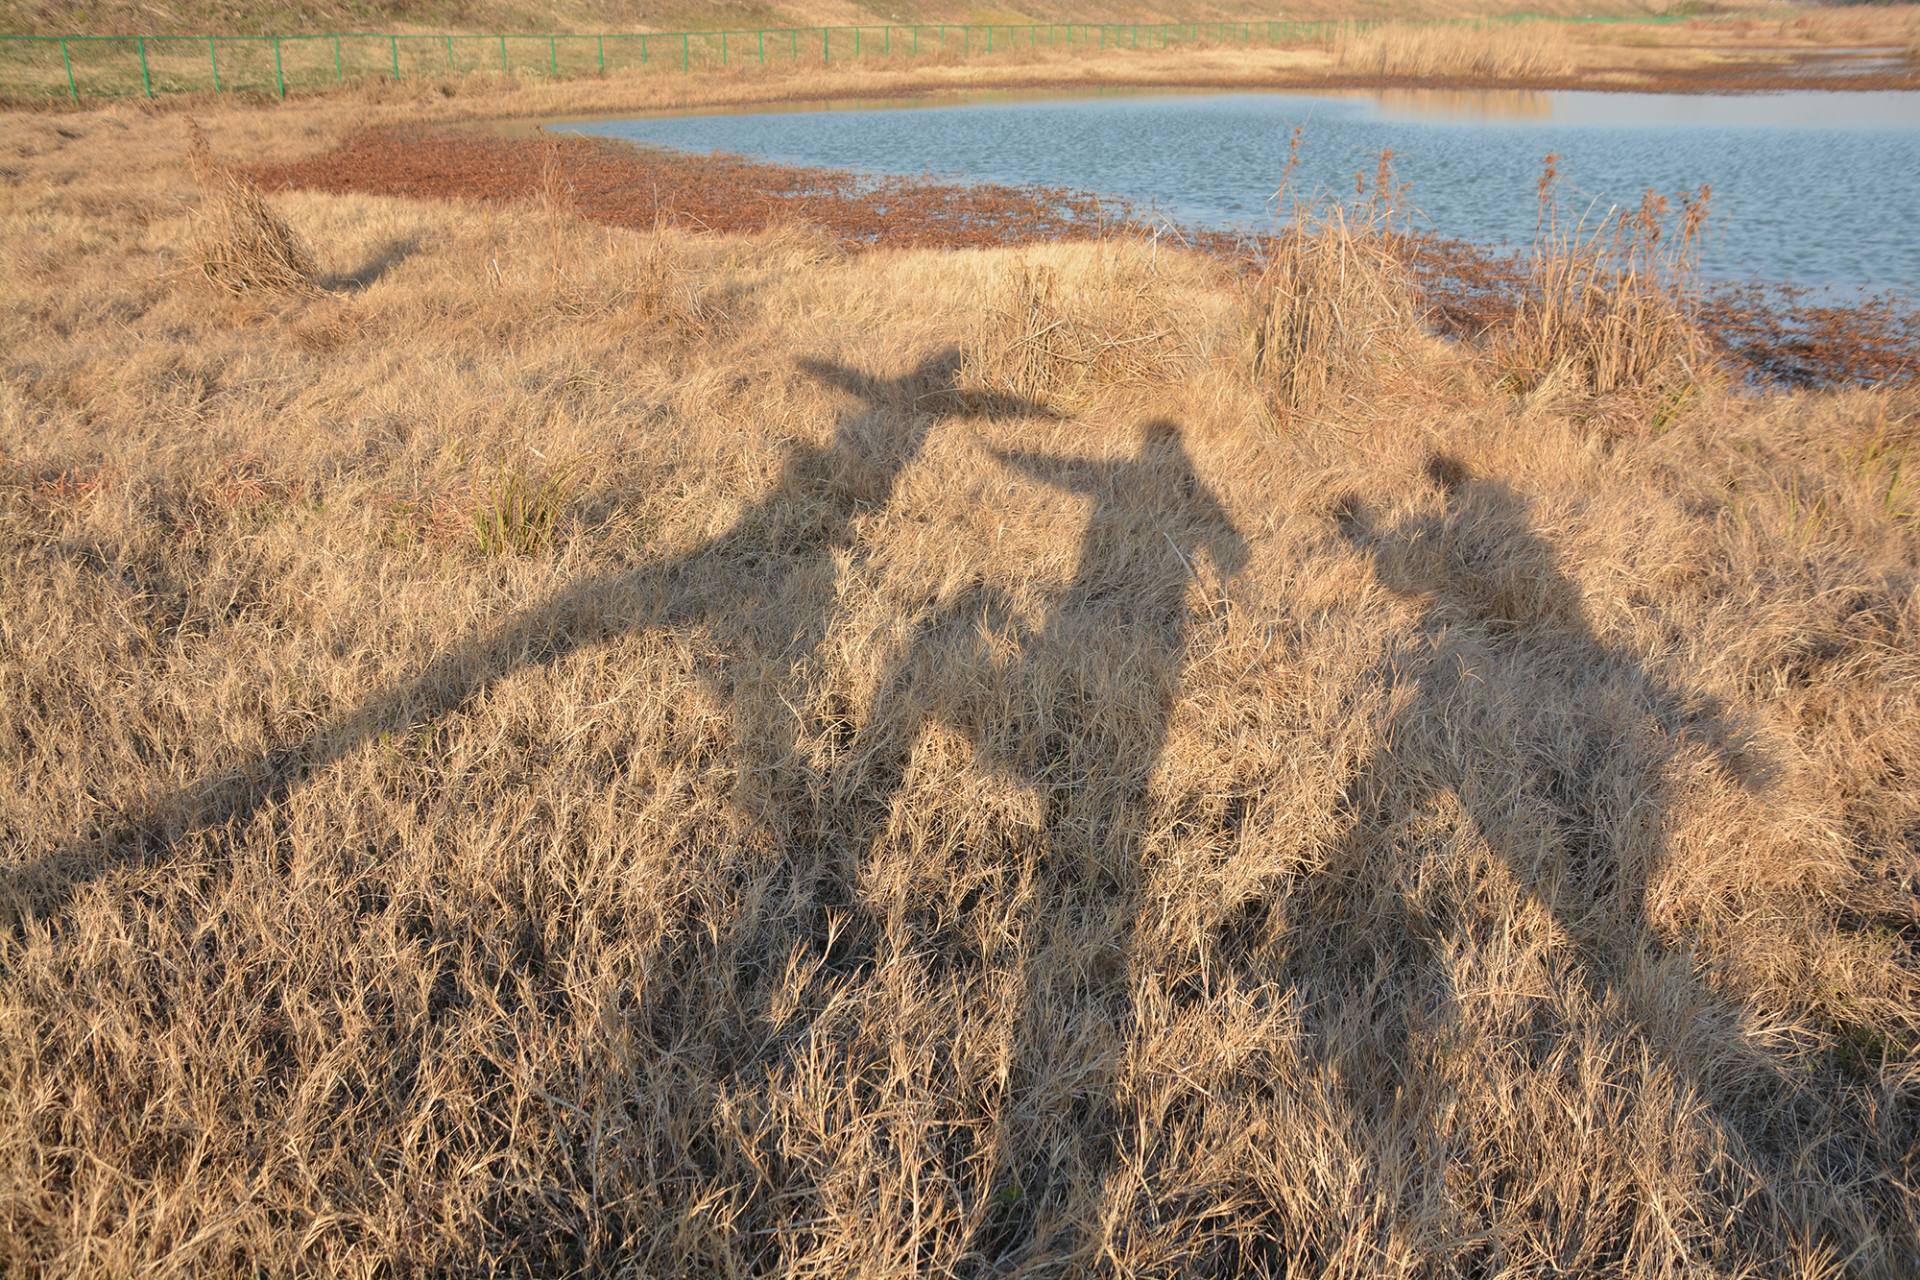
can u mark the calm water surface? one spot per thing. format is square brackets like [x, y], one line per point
[1816, 188]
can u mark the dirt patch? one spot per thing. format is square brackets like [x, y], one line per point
[627, 186]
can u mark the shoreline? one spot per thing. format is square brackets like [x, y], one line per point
[1767, 327]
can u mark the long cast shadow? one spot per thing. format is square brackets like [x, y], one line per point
[1097, 683]
[774, 550]
[1556, 747]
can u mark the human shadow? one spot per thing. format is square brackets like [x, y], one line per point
[1555, 748]
[779, 553]
[1079, 715]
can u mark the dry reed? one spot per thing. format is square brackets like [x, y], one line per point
[1606, 300]
[1332, 303]
[1463, 51]
[241, 243]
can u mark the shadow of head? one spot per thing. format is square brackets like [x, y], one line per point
[1475, 556]
[1155, 501]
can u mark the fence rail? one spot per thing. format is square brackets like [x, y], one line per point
[73, 66]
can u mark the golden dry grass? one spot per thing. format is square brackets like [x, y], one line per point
[1118, 322]
[889, 823]
[1528, 51]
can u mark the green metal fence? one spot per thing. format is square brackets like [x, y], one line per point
[76, 66]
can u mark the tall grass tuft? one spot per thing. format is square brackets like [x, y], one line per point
[1606, 300]
[1333, 300]
[241, 243]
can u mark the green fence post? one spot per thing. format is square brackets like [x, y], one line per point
[213, 60]
[793, 44]
[279, 75]
[339, 75]
[449, 53]
[826, 45]
[856, 44]
[72, 89]
[723, 48]
[916, 42]
[394, 43]
[886, 42]
[683, 51]
[553, 57]
[989, 38]
[600, 50]
[763, 46]
[146, 77]
[503, 55]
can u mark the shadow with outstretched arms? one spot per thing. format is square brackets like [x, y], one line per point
[1078, 715]
[780, 550]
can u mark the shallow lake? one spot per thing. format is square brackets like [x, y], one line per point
[1813, 188]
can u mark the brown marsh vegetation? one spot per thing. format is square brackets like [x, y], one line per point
[558, 749]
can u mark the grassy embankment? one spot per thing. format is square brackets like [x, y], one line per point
[129, 17]
[531, 745]
[1725, 52]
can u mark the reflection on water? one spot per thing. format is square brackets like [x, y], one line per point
[1816, 188]
[1465, 104]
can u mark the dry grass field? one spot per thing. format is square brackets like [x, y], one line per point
[529, 748]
